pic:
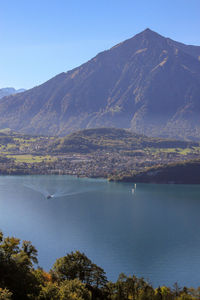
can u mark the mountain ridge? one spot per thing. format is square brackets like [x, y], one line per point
[148, 83]
[9, 91]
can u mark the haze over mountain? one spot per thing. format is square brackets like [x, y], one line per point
[148, 83]
[9, 91]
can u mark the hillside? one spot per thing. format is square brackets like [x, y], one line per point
[148, 83]
[87, 141]
[111, 139]
[179, 173]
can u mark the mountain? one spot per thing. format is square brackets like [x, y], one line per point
[9, 91]
[148, 83]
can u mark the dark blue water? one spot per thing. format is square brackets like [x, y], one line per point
[154, 233]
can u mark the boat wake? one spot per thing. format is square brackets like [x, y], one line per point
[57, 193]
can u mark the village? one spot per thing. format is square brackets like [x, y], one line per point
[20, 154]
[98, 164]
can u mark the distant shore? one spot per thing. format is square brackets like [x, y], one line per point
[174, 173]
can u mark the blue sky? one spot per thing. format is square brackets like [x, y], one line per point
[40, 39]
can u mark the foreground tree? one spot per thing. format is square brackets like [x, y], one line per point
[16, 268]
[73, 290]
[77, 265]
[5, 294]
[49, 291]
[130, 287]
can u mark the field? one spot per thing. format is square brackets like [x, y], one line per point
[28, 158]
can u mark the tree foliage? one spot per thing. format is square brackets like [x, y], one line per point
[73, 277]
[77, 265]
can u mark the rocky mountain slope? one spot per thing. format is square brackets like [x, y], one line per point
[148, 83]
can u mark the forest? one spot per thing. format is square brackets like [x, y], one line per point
[187, 172]
[72, 277]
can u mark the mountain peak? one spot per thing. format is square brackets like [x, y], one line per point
[143, 37]
[147, 30]
[149, 33]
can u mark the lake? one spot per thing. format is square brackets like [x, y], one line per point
[154, 233]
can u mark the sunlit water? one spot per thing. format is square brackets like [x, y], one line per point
[154, 233]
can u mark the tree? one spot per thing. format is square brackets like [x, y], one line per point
[30, 251]
[158, 294]
[98, 276]
[73, 290]
[176, 289]
[166, 293]
[16, 271]
[77, 265]
[121, 286]
[195, 292]
[5, 294]
[49, 291]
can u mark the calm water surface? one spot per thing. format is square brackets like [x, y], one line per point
[154, 233]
